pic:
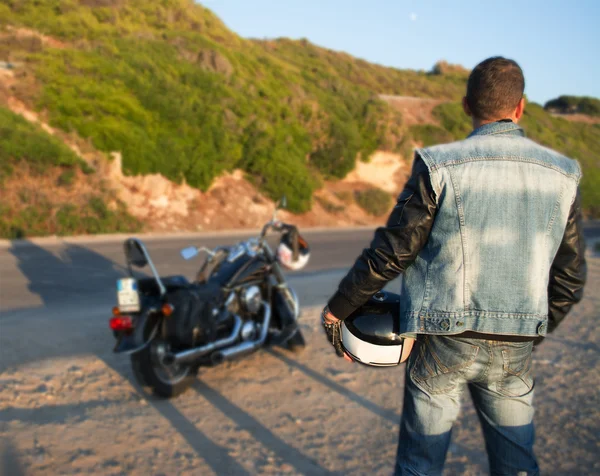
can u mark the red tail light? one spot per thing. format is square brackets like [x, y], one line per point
[121, 323]
[167, 309]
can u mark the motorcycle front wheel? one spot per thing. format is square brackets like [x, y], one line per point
[166, 380]
[296, 343]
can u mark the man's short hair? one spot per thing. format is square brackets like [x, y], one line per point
[495, 87]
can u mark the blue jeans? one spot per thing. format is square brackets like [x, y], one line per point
[498, 375]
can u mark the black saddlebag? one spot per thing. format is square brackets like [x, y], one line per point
[193, 321]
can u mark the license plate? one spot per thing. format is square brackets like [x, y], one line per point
[127, 295]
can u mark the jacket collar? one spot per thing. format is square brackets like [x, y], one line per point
[500, 127]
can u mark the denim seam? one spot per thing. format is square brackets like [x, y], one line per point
[555, 210]
[502, 388]
[498, 132]
[501, 130]
[433, 175]
[526, 366]
[477, 313]
[455, 368]
[516, 158]
[422, 358]
[490, 362]
[463, 235]
[507, 373]
[411, 322]
[435, 357]
[422, 382]
[505, 361]
[426, 292]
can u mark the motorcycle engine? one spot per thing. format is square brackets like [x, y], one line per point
[251, 298]
[249, 330]
[246, 303]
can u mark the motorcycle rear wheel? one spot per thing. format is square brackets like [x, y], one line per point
[165, 380]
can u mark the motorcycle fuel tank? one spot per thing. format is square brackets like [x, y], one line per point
[244, 270]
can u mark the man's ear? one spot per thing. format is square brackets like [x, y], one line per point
[520, 109]
[466, 107]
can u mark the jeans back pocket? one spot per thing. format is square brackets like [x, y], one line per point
[440, 361]
[516, 378]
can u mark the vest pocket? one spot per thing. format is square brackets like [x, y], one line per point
[440, 362]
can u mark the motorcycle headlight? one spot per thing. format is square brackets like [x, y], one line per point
[252, 299]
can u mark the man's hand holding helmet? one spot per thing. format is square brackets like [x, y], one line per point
[371, 333]
[333, 331]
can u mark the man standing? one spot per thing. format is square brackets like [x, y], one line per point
[488, 236]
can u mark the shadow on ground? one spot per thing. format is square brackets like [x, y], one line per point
[10, 465]
[77, 272]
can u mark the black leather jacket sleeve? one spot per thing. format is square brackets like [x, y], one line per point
[569, 270]
[394, 247]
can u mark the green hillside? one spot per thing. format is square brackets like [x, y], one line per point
[168, 85]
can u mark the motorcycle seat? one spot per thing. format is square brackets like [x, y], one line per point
[172, 283]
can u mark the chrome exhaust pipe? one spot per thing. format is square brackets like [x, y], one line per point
[192, 354]
[245, 347]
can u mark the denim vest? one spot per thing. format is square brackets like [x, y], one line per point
[503, 203]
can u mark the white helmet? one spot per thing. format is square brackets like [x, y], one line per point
[371, 334]
[293, 251]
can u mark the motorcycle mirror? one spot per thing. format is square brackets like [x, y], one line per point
[134, 253]
[189, 253]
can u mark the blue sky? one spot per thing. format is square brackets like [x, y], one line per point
[555, 42]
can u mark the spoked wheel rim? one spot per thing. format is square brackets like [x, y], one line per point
[169, 373]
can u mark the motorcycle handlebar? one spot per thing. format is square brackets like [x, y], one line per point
[276, 225]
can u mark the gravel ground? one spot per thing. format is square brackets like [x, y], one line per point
[275, 412]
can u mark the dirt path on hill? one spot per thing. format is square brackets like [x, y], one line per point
[415, 111]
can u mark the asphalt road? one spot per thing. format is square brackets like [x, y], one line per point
[34, 275]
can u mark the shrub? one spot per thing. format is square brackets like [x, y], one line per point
[428, 134]
[93, 217]
[66, 178]
[44, 218]
[68, 220]
[338, 157]
[24, 195]
[453, 119]
[21, 140]
[329, 206]
[374, 201]
[32, 220]
[444, 68]
[345, 196]
[574, 104]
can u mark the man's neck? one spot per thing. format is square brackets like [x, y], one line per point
[477, 123]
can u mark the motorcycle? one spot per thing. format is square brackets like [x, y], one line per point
[238, 303]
